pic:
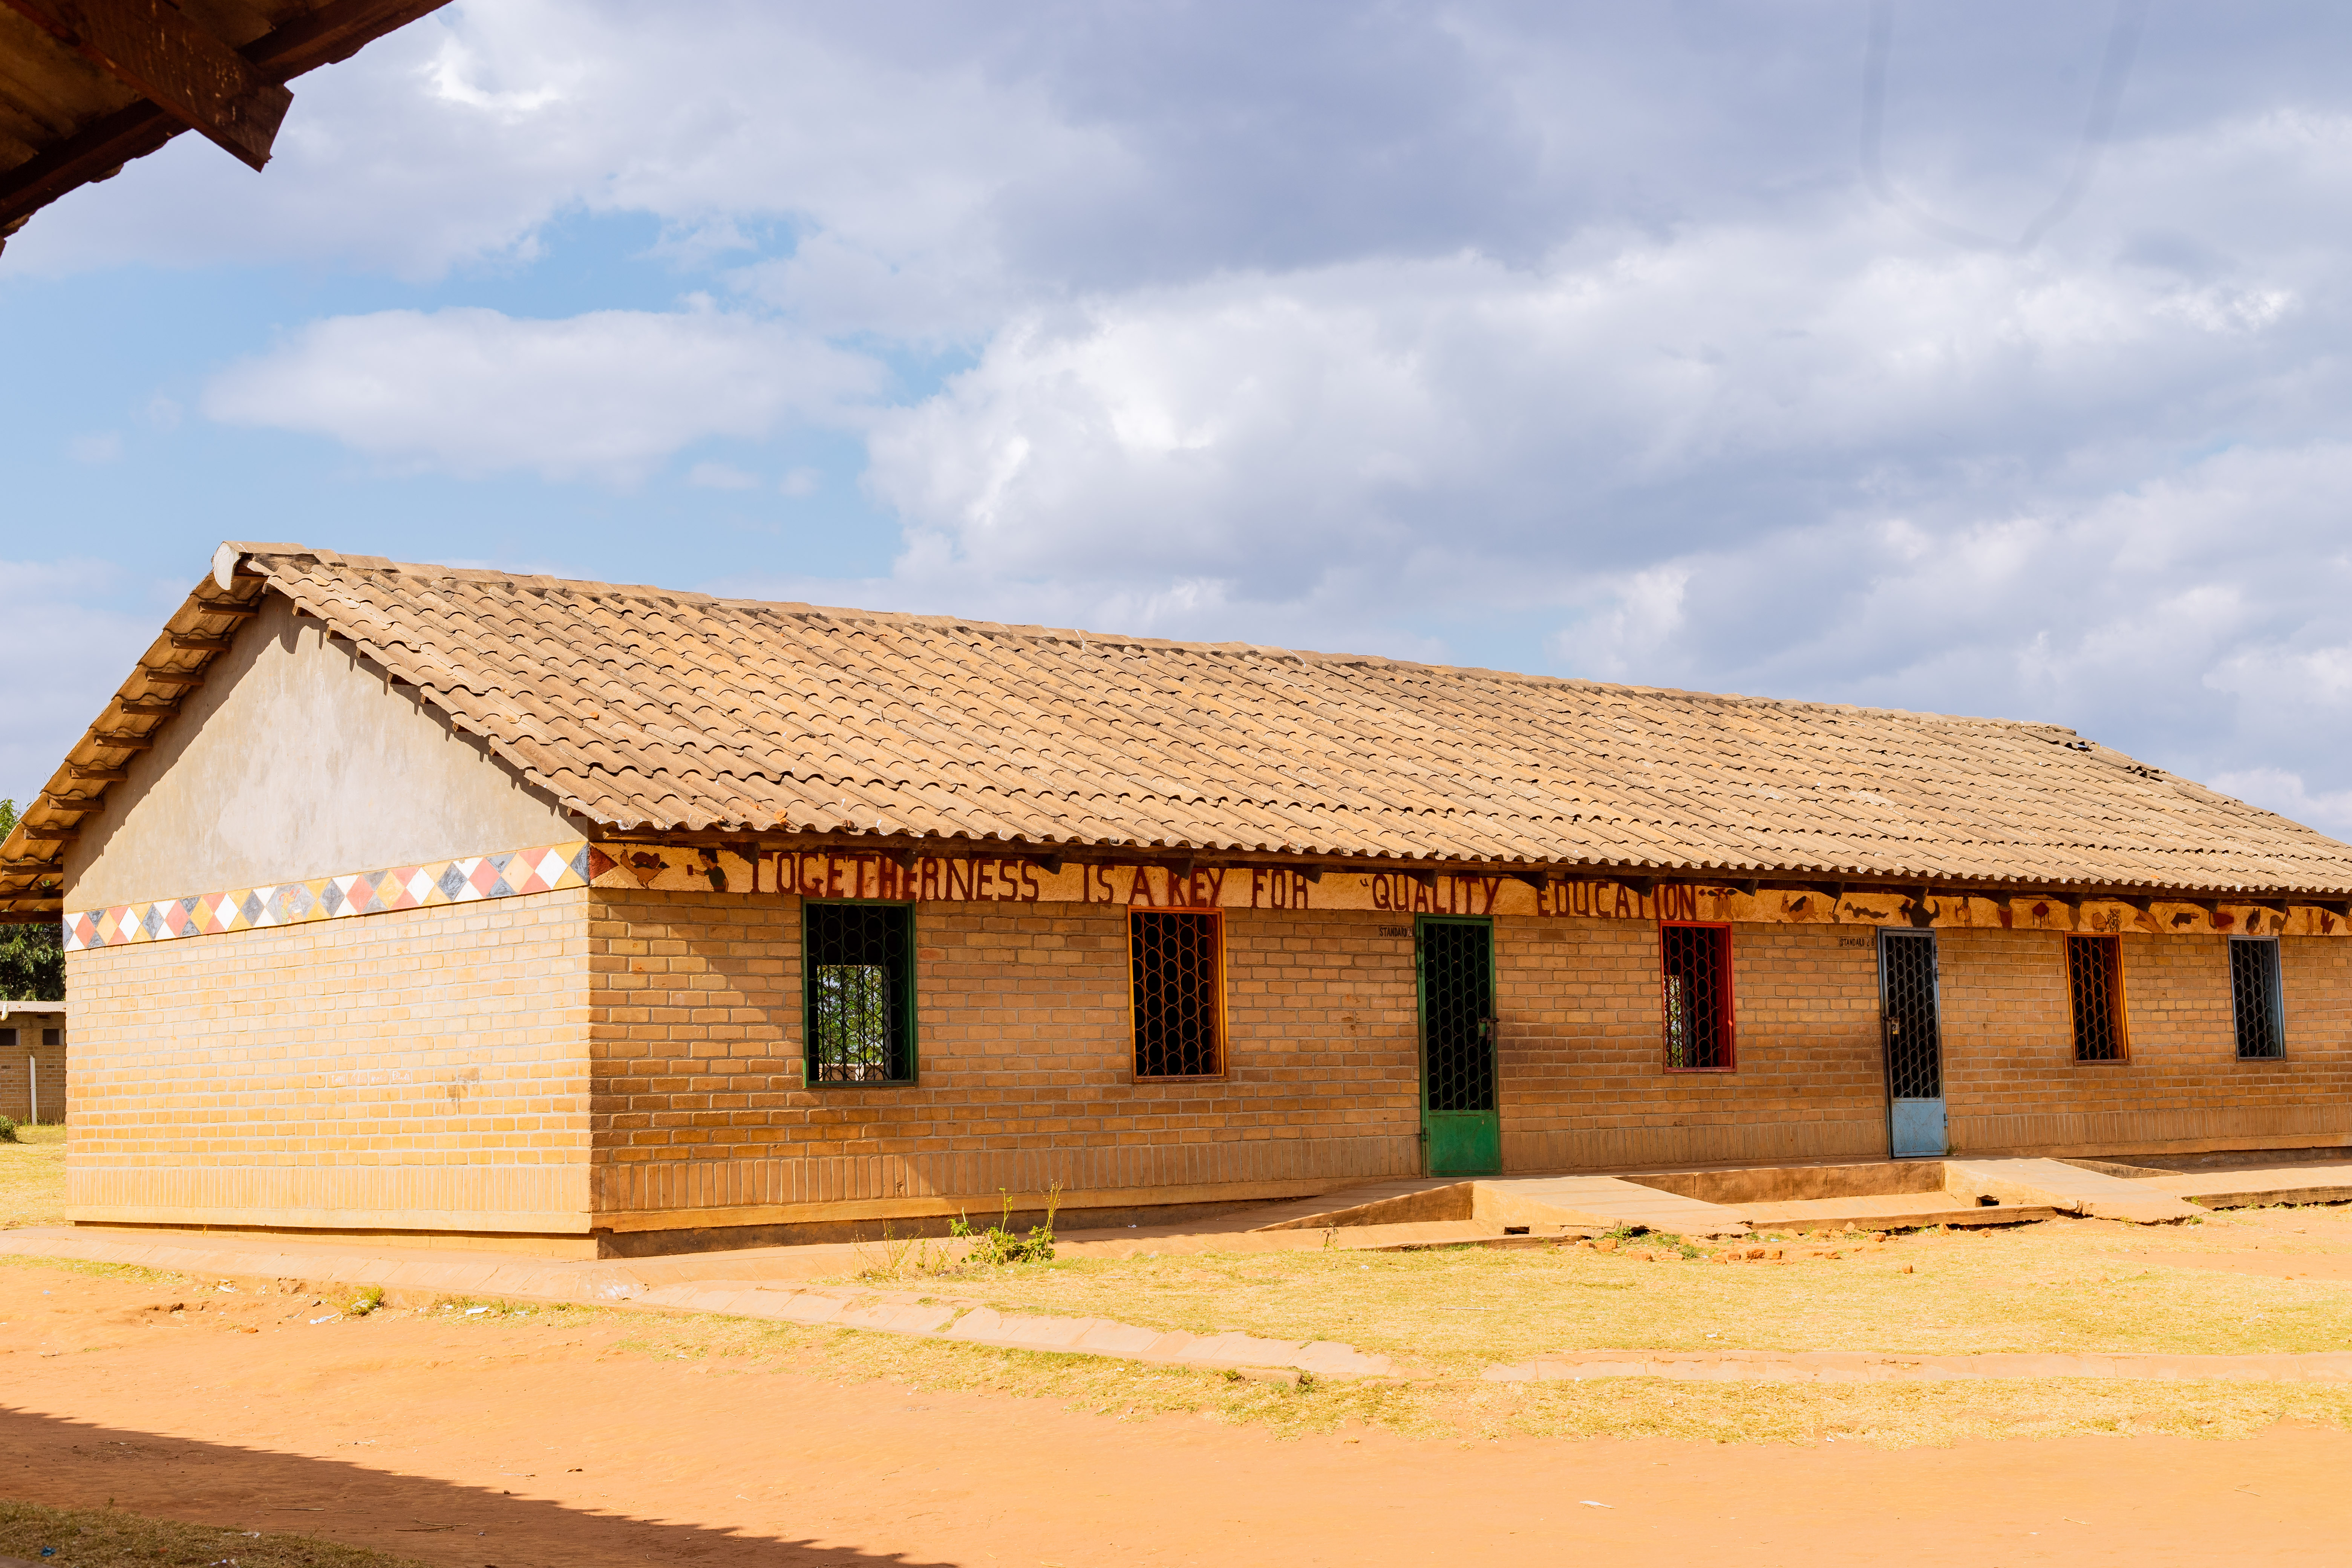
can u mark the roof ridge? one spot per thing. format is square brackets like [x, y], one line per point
[659, 712]
[851, 614]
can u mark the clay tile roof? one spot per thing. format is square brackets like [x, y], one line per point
[650, 710]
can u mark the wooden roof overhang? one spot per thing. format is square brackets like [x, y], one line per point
[32, 857]
[88, 85]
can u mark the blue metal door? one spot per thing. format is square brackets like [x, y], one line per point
[1914, 1046]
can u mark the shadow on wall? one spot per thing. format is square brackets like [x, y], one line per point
[70, 1464]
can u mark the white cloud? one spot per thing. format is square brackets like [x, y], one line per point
[100, 446]
[2275, 789]
[605, 395]
[721, 477]
[801, 483]
[460, 137]
[1461, 429]
[2188, 620]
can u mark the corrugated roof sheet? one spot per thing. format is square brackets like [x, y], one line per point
[650, 710]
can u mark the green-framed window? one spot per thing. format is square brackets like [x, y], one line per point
[858, 967]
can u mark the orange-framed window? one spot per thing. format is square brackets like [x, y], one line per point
[1176, 960]
[2094, 984]
[1695, 961]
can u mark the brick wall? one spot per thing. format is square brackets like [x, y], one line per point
[517, 1065]
[27, 1062]
[422, 1068]
[1025, 1058]
[2011, 1081]
[1584, 1083]
[1025, 1061]
[1025, 1053]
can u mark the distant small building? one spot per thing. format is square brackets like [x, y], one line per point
[33, 1061]
[588, 918]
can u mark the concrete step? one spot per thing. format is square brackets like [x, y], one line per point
[2247, 1188]
[2068, 1188]
[1612, 1202]
[1431, 1235]
[1545, 1205]
[1891, 1211]
[1400, 1202]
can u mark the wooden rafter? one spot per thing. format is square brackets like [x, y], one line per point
[331, 32]
[192, 75]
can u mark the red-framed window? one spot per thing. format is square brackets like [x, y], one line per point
[1694, 963]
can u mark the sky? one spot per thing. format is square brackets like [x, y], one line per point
[1988, 359]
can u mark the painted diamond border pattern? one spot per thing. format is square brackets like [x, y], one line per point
[468, 879]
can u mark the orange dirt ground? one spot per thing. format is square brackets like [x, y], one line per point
[515, 1446]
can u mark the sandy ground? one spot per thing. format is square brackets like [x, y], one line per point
[517, 1446]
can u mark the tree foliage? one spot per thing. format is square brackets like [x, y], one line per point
[32, 957]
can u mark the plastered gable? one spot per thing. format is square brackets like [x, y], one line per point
[295, 760]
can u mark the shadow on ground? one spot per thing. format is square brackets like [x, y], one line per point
[70, 1463]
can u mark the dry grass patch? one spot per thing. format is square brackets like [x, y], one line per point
[1455, 1408]
[90, 1537]
[2060, 1286]
[1460, 1409]
[2082, 1286]
[33, 1177]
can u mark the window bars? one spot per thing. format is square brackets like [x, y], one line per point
[860, 993]
[1697, 963]
[2095, 977]
[1457, 1012]
[2254, 995]
[1906, 981]
[1175, 960]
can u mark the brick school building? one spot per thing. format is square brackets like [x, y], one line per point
[582, 919]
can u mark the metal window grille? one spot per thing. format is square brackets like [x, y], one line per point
[2094, 974]
[1906, 989]
[2254, 991]
[860, 993]
[1457, 982]
[1697, 962]
[1175, 963]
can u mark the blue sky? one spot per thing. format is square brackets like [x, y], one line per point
[1574, 338]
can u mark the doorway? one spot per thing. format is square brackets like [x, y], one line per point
[1911, 1023]
[1462, 1128]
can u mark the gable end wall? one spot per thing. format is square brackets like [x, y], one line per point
[294, 760]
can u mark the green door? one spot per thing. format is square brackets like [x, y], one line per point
[1461, 1128]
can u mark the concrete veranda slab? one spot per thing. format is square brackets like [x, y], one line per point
[2068, 1188]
